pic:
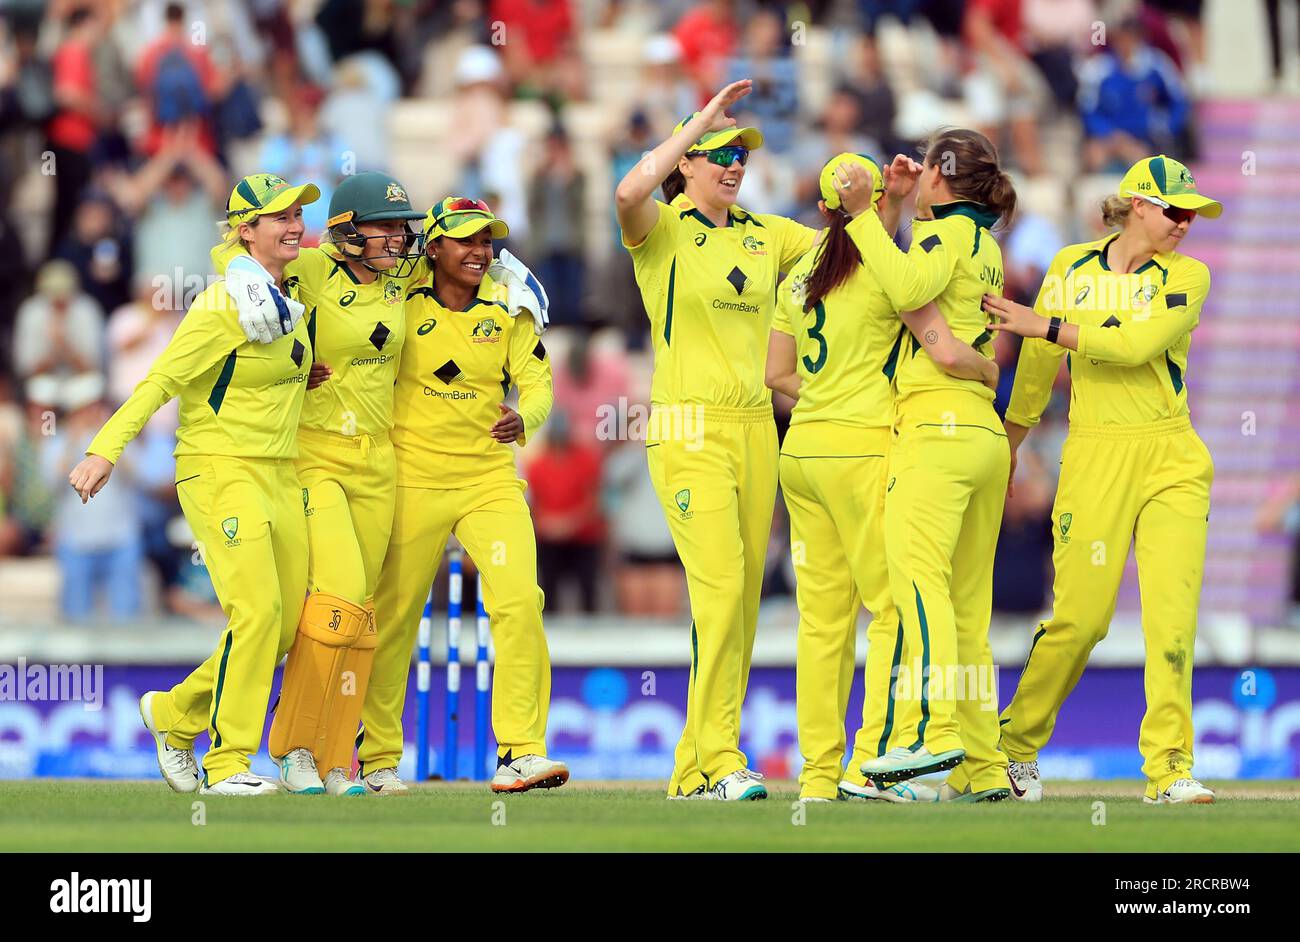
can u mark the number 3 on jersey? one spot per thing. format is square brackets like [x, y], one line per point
[814, 333]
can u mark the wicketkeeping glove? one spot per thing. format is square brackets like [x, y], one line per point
[265, 314]
[523, 290]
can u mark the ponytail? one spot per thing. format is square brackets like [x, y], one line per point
[1115, 211]
[969, 162]
[838, 259]
[674, 186]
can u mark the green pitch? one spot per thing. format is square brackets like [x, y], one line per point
[135, 816]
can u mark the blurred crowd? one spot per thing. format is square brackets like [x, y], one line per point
[124, 122]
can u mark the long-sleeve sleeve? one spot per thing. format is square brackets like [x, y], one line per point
[911, 279]
[530, 365]
[1039, 361]
[204, 337]
[1173, 313]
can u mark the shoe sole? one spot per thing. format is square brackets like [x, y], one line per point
[885, 796]
[160, 743]
[387, 792]
[1202, 800]
[989, 794]
[549, 780]
[902, 775]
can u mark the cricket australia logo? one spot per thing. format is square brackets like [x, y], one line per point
[396, 194]
[1066, 520]
[753, 246]
[683, 498]
[230, 527]
[1145, 294]
[392, 293]
[486, 331]
[306, 499]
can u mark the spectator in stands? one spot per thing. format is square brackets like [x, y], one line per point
[774, 102]
[356, 109]
[557, 217]
[838, 131]
[648, 578]
[546, 64]
[11, 434]
[707, 36]
[1281, 514]
[664, 94]
[31, 495]
[590, 388]
[175, 196]
[78, 118]
[1056, 34]
[59, 333]
[100, 249]
[306, 151]
[181, 83]
[98, 546]
[488, 150]
[1002, 87]
[14, 286]
[1022, 562]
[866, 80]
[138, 332]
[1132, 102]
[564, 483]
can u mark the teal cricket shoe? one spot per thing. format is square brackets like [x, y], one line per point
[901, 764]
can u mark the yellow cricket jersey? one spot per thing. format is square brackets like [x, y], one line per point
[456, 369]
[1134, 334]
[237, 399]
[710, 293]
[356, 329]
[842, 347]
[954, 261]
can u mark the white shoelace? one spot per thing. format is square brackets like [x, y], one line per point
[383, 777]
[302, 760]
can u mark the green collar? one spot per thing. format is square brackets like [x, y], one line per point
[978, 213]
[484, 296]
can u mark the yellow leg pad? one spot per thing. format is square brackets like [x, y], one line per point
[344, 718]
[330, 625]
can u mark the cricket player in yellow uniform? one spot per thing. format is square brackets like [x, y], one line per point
[456, 475]
[354, 288]
[239, 406]
[708, 271]
[1133, 470]
[947, 469]
[834, 343]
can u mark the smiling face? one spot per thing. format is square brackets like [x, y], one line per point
[1161, 232]
[709, 185]
[385, 243]
[462, 262]
[276, 237]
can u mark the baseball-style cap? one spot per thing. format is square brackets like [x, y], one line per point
[827, 178]
[260, 194]
[749, 137]
[460, 217]
[1166, 182]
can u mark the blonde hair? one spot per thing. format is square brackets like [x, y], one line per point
[1115, 210]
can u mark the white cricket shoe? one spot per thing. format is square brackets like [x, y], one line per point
[298, 773]
[241, 784]
[900, 792]
[177, 766]
[701, 792]
[529, 772]
[740, 785]
[901, 764]
[1025, 783]
[339, 783]
[1185, 791]
[384, 782]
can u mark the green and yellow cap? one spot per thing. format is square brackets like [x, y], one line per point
[1166, 182]
[259, 194]
[749, 137]
[827, 178]
[460, 217]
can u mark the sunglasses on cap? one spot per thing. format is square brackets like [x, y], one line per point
[723, 156]
[461, 206]
[1175, 214]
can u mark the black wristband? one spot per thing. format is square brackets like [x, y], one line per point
[1053, 328]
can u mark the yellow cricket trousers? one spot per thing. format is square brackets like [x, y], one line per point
[833, 480]
[1143, 485]
[715, 471]
[492, 521]
[943, 508]
[351, 484]
[247, 516]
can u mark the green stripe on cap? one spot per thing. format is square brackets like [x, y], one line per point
[1157, 167]
[246, 191]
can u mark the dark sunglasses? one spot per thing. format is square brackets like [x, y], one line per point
[1179, 216]
[723, 156]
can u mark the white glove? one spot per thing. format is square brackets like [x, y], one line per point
[264, 313]
[523, 291]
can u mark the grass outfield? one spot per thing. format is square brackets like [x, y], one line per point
[138, 816]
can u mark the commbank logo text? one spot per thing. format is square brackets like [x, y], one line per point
[77, 895]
